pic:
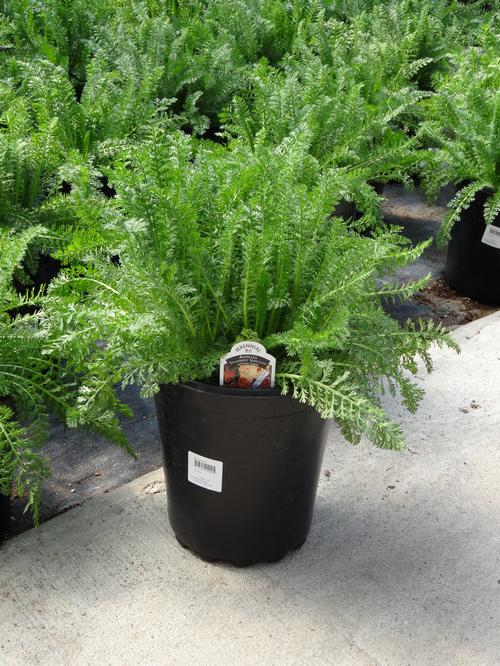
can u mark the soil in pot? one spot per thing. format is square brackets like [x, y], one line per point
[241, 468]
[472, 266]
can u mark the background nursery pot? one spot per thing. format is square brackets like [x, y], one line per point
[271, 448]
[472, 267]
[4, 514]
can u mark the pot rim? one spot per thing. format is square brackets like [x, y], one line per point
[204, 387]
[220, 396]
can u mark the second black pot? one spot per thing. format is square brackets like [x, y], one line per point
[4, 514]
[241, 468]
[472, 267]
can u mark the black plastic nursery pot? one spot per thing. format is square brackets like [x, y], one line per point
[473, 267]
[5, 506]
[241, 470]
[47, 268]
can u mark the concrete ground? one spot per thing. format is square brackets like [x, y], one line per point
[402, 566]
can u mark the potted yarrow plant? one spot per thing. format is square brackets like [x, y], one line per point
[361, 139]
[218, 246]
[34, 385]
[28, 386]
[463, 130]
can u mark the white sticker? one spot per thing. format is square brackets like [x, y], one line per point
[205, 472]
[491, 236]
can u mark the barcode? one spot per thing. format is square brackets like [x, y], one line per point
[204, 465]
[205, 472]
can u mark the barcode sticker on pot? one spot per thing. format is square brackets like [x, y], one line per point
[491, 236]
[205, 472]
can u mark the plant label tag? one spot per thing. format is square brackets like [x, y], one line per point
[247, 366]
[491, 236]
[205, 472]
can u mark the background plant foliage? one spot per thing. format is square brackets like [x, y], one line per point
[80, 81]
[462, 127]
[218, 244]
[232, 134]
[34, 384]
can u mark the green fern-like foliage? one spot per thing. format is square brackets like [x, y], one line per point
[420, 34]
[26, 386]
[52, 149]
[260, 28]
[57, 30]
[319, 99]
[353, 79]
[97, 126]
[393, 40]
[364, 141]
[175, 56]
[48, 171]
[34, 385]
[31, 151]
[463, 130]
[143, 61]
[192, 53]
[215, 244]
